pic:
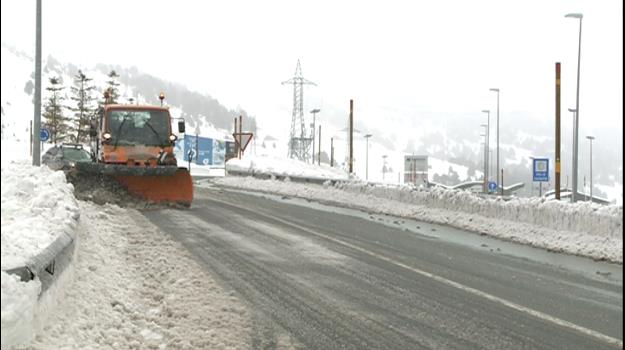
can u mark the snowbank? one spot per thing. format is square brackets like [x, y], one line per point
[282, 166]
[582, 229]
[138, 288]
[19, 301]
[38, 205]
[585, 217]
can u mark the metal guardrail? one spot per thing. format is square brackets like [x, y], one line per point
[294, 178]
[581, 196]
[49, 263]
[315, 180]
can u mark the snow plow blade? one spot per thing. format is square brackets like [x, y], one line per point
[176, 188]
[157, 184]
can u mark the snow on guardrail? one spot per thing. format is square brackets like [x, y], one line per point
[38, 209]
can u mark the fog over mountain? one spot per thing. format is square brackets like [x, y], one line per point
[451, 137]
[196, 108]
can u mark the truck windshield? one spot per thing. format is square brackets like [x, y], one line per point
[135, 127]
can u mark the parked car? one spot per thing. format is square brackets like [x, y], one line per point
[65, 156]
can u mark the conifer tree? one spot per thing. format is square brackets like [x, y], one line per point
[55, 120]
[112, 87]
[84, 110]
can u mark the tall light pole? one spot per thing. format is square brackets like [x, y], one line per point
[497, 170]
[590, 138]
[532, 174]
[484, 185]
[575, 134]
[367, 157]
[384, 166]
[487, 167]
[574, 156]
[314, 113]
[37, 116]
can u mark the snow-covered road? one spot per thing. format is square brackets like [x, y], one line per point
[133, 287]
[335, 279]
[583, 228]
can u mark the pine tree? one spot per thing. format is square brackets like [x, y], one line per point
[112, 85]
[58, 124]
[84, 110]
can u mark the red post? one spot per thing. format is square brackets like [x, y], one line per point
[319, 155]
[240, 136]
[557, 167]
[351, 136]
[501, 182]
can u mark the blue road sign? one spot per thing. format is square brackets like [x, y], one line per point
[492, 185]
[540, 168]
[44, 134]
[204, 150]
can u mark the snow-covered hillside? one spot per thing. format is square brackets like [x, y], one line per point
[454, 147]
[18, 92]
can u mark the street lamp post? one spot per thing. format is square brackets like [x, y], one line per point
[575, 135]
[37, 117]
[540, 184]
[574, 156]
[314, 113]
[590, 138]
[497, 170]
[384, 167]
[484, 185]
[487, 167]
[367, 157]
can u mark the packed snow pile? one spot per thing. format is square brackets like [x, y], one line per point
[38, 205]
[269, 165]
[601, 220]
[136, 287]
[582, 229]
[19, 302]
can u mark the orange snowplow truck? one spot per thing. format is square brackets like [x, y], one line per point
[135, 145]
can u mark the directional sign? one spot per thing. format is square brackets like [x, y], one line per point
[541, 169]
[44, 134]
[242, 139]
[231, 150]
[492, 185]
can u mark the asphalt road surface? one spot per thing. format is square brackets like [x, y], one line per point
[319, 278]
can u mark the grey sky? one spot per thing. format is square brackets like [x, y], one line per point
[395, 57]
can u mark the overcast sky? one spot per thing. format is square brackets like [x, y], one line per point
[394, 58]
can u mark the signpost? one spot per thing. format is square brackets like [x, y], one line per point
[204, 150]
[242, 139]
[492, 186]
[231, 150]
[416, 169]
[540, 172]
[44, 134]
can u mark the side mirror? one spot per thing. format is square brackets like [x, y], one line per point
[181, 126]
